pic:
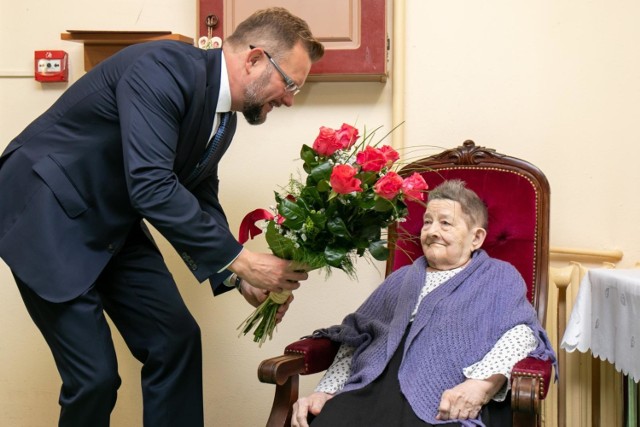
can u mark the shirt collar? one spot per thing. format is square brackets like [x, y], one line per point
[224, 97]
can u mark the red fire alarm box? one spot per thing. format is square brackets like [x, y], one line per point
[51, 66]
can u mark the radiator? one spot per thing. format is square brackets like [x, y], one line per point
[589, 392]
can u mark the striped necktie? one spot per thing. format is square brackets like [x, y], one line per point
[213, 145]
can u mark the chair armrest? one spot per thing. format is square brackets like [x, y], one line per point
[277, 370]
[318, 353]
[532, 367]
[530, 380]
[304, 357]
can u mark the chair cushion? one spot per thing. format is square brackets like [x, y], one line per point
[318, 353]
[512, 217]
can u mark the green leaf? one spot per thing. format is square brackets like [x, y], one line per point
[368, 178]
[294, 215]
[320, 220]
[308, 156]
[279, 245]
[311, 196]
[338, 227]
[324, 186]
[369, 232]
[379, 250]
[367, 202]
[319, 173]
[335, 256]
[382, 204]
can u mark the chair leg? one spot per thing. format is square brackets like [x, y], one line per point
[286, 395]
[525, 403]
[520, 420]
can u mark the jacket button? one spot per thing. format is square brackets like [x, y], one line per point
[111, 248]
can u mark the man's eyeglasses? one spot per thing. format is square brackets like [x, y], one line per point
[291, 86]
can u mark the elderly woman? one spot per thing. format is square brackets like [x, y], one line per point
[435, 343]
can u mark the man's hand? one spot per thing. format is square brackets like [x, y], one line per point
[268, 272]
[256, 296]
[311, 404]
[465, 400]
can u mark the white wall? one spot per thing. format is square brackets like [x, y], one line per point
[553, 81]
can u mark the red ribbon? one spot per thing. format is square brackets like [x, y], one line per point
[248, 228]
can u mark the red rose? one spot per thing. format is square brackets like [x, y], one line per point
[371, 159]
[326, 142]
[414, 187]
[347, 135]
[343, 180]
[388, 186]
[390, 154]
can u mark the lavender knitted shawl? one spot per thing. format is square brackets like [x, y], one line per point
[455, 326]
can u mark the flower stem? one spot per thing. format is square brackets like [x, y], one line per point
[263, 317]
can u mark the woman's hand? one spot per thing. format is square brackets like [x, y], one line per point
[465, 400]
[311, 404]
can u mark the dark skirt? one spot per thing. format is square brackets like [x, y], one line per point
[382, 404]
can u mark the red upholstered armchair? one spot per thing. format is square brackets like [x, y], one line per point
[517, 196]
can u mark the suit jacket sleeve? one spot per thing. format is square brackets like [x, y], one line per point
[206, 192]
[153, 96]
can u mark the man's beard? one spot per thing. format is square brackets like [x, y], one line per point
[253, 102]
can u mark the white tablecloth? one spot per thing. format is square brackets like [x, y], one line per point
[606, 319]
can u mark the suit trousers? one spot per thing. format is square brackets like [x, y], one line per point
[140, 296]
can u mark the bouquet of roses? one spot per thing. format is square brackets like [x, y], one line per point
[350, 194]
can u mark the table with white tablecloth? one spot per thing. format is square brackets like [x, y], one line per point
[605, 320]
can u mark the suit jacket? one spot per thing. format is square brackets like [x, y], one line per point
[117, 148]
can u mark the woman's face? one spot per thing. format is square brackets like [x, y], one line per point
[447, 241]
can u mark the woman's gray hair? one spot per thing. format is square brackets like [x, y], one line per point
[472, 206]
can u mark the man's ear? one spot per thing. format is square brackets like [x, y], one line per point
[479, 234]
[252, 59]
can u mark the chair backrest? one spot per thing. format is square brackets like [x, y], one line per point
[517, 196]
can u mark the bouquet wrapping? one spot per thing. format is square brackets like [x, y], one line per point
[336, 214]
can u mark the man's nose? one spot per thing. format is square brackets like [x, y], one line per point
[287, 99]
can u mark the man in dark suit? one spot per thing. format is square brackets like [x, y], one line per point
[139, 137]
